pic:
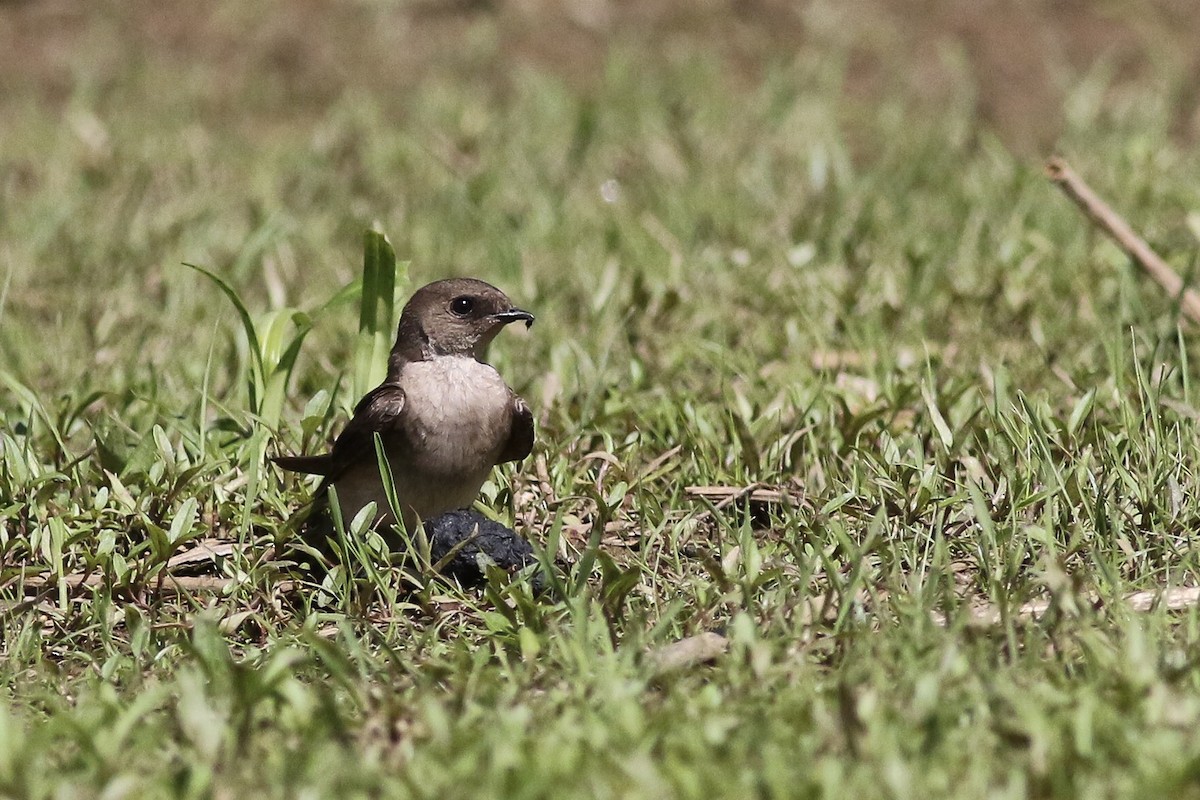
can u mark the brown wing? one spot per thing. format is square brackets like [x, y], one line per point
[377, 412]
[520, 436]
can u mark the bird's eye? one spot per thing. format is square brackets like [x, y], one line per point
[462, 306]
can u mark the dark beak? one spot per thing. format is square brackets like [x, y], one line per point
[513, 315]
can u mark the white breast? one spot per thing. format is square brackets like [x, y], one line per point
[456, 419]
[457, 412]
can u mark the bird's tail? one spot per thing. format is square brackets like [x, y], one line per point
[312, 465]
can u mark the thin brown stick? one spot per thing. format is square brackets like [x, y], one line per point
[1109, 221]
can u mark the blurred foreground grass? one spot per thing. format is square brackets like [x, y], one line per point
[973, 399]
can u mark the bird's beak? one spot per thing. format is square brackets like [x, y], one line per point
[513, 315]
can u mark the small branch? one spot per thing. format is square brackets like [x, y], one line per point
[1108, 220]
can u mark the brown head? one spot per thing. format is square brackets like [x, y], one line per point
[457, 316]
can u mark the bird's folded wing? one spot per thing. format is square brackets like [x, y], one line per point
[377, 412]
[520, 436]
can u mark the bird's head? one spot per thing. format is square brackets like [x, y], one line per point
[453, 317]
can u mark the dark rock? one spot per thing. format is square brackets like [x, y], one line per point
[483, 542]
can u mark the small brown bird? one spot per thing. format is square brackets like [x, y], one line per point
[444, 415]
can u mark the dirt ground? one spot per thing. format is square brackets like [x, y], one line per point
[1021, 54]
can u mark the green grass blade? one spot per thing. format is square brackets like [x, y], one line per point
[279, 358]
[29, 398]
[377, 310]
[259, 374]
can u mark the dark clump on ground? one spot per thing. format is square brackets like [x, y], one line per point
[472, 543]
[462, 545]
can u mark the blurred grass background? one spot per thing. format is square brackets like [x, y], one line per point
[261, 141]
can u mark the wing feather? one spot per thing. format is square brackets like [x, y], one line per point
[521, 434]
[378, 412]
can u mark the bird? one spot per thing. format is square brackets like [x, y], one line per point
[444, 415]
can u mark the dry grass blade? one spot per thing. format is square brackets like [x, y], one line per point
[1170, 599]
[171, 584]
[205, 551]
[1108, 220]
[722, 496]
[686, 653]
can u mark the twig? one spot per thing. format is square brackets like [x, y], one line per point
[1120, 232]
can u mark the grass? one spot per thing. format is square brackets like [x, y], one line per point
[974, 400]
